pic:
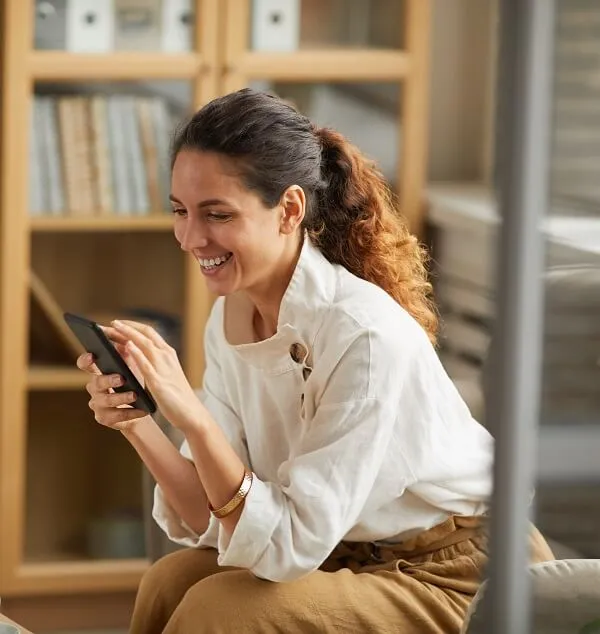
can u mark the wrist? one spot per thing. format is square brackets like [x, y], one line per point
[133, 428]
[197, 422]
[195, 426]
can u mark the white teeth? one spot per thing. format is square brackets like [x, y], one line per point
[212, 262]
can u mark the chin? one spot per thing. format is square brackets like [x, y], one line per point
[225, 286]
[220, 289]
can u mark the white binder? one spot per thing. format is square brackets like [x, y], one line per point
[137, 24]
[89, 26]
[50, 24]
[275, 25]
[177, 26]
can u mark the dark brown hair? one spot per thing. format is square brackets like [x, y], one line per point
[351, 215]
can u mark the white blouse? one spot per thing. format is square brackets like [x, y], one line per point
[348, 420]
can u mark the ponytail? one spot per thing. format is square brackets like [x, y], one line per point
[355, 223]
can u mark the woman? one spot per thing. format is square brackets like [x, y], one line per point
[331, 477]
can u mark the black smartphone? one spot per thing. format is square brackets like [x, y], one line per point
[108, 359]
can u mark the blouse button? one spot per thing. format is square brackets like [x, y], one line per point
[298, 353]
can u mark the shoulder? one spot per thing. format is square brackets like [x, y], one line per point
[362, 308]
[367, 336]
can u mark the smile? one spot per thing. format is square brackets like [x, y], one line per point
[208, 264]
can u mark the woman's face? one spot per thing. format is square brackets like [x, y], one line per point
[237, 241]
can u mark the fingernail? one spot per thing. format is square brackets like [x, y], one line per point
[117, 323]
[117, 381]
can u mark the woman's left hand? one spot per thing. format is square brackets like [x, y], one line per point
[161, 371]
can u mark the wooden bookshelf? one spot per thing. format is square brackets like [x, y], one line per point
[49, 491]
[103, 263]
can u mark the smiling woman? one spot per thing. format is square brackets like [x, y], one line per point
[327, 439]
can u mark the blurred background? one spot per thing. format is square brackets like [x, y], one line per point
[92, 90]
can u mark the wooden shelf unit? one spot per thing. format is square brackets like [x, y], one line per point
[51, 246]
[70, 254]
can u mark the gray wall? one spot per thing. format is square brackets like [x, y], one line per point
[462, 76]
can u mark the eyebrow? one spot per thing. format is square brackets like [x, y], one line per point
[204, 203]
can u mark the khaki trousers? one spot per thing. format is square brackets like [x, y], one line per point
[422, 586]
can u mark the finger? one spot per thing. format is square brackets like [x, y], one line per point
[86, 363]
[141, 340]
[115, 335]
[113, 399]
[122, 350]
[147, 331]
[141, 360]
[103, 382]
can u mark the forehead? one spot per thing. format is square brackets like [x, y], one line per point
[205, 173]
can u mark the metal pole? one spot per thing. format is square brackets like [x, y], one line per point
[527, 29]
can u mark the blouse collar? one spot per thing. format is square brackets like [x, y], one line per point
[304, 305]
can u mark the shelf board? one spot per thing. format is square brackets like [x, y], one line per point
[55, 377]
[113, 575]
[151, 222]
[324, 65]
[64, 66]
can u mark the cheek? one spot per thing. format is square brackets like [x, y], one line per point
[256, 255]
[178, 232]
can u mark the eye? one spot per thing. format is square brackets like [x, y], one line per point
[179, 211]
[218, 216]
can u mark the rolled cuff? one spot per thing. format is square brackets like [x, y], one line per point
[251, 537]
[177, 530]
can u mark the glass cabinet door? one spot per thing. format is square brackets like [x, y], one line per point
[359, 66]
[325, 24]
[108, 26]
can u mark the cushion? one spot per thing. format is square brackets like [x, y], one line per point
[565, 599]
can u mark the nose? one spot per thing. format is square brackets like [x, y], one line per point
[191, 235]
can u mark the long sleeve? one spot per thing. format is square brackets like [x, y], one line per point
[288, 527]
[213, 398]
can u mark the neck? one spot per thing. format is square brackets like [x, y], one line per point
[267, 298]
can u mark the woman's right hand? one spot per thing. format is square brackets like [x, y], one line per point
[111, 409]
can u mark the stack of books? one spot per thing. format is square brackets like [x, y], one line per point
[99, 154]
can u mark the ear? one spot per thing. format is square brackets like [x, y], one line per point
[293, 208]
